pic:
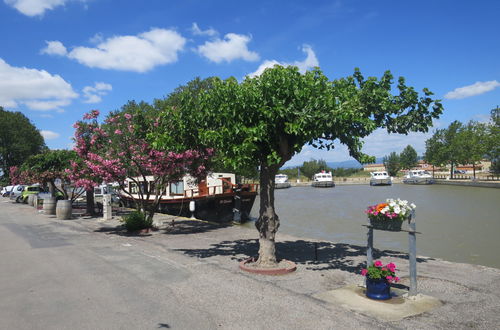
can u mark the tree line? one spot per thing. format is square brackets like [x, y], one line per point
[313, 166]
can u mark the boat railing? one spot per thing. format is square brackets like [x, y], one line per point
[226, 187]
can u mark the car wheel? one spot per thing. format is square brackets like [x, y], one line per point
[18, 199]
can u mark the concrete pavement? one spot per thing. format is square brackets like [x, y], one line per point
[86, 274]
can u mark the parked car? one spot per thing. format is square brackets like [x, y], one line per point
[31, 190]
[5, 192]
[16, 191]
[460, 172]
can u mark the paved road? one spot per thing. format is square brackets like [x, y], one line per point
[60, 275]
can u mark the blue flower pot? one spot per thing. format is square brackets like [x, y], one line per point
[378, 289]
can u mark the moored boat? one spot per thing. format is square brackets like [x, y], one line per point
[323, 180]
[380, 178]
[216, 198]
[418, 177]
[281, 181]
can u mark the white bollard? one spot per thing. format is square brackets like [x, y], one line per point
[107, 210]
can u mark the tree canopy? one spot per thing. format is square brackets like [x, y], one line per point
[263, 121]
[408, 158]
[19, 139]
[392, 163]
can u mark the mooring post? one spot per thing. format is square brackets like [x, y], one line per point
[369, 247]
[412, 238]
[237, 204]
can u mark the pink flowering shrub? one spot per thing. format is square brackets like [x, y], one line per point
[119, 149]
[380, 271]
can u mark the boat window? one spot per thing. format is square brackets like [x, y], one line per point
[144, 187]
[133, 188]
[152, 187]
[97, 191]
[177, 188]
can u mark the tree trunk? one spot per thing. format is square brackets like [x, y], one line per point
[268, 221]
[52, 188]
[89, 196]
[451, 171]
[474, 170]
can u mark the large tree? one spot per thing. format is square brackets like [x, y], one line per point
[392, 163]
[265, 120]
[19, 139]
[445, 147]
[493, 140]
[408, 158]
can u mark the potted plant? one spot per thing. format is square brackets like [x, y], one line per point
[389, 215]
[378, 280]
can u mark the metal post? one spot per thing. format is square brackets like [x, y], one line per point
[237, 205]
[412, 238]
[369, 247]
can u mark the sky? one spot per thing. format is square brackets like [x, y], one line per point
[61, 58]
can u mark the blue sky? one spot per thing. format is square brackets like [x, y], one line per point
[62, 58]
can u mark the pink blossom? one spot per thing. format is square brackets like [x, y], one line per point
[364, 272]
[389, 278]
[127, 116]
[118, 132]
[378, 263]
[391, 267]
[396, 279]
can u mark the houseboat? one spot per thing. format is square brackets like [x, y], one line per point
[216, 198]
[418, 177]
[380, 178]
[281, 181]
[323, 180]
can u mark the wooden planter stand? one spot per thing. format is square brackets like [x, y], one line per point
[412, 250]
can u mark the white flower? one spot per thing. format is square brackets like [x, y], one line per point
[413, 206]
[384, 210]
[397, 209]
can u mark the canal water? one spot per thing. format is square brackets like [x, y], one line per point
[457, 223]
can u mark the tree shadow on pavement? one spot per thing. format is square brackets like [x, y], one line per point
[314, 255]
[186, 227]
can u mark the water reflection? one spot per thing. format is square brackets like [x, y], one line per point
[457, 223]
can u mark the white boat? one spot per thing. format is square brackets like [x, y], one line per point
[281, 181]
[418, 177]
[380, 178]
[323, 180]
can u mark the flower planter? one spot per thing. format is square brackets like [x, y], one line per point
[390, 225]
[378, 289]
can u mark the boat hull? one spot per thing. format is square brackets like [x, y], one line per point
[380, 182]
[282, 185]
[217, 208]
[418, 181]
[323, 184]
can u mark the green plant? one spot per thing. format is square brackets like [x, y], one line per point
[379, 271]
[136, 220]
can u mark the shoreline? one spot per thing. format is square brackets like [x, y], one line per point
[366, 181]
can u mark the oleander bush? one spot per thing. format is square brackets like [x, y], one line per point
[136, 220]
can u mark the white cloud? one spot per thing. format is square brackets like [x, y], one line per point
[232, 47]
[54, 48]
[309, 62]
[478, 88]
[37, 89]
[49, 135]
[199, 32]
[94, 94]
[139, 53]
[35, 7]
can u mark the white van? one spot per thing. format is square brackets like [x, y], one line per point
[16, 191]
[6, 191]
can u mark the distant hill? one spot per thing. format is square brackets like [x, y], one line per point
[345, 164]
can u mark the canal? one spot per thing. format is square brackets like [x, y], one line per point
[457, 223]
